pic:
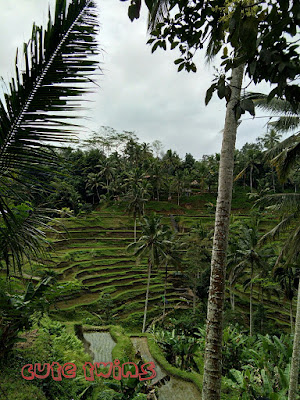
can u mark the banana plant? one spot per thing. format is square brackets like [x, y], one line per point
[16, 311]
[38, 105]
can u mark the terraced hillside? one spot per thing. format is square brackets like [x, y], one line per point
[93, 251]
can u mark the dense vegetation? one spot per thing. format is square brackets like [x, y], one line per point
[93, 277]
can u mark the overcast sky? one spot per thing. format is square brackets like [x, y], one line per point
[139, 91]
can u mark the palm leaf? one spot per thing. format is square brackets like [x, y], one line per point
[287, 159]
[241, 174]
[285, 202]
[35, 115]
[35, 109]
[22, 236]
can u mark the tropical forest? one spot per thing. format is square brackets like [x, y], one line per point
[129, 271]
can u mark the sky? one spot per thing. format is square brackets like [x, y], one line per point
[138, 91]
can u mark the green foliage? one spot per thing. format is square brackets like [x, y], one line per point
[16, 313]
[178, 349]
[158, 355]
[124, 347]
[264, 367]
[52, 342]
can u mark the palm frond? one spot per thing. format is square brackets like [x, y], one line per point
[241, 174]
[275, 105]
[35, 116]
[35, 112]
[280, 147]
[291, 248]
[285, 124]
[285, 202]
[286, 160]
[22, 237]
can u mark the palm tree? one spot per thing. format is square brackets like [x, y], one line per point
[269, 141]
[253, 160]
[107, 170]
[136, 198]
[94, 182]
[35, 113]
[198, 257]
[156, 177]
[152, 244]
[287, 276]
[248, 256]
[172, 257]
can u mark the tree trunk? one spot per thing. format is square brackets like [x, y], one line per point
[291, 316]
[214, 331]
[165, 289]
[147, 297]
[251, 178]
[231, 296]
[194, 299]
[135, 229]
[295, 364]
[273, 180]
[251, 305]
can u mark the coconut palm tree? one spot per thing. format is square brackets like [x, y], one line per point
[94, 182]
[34, 111]
[172, 257]
[287, 277]
[152, 244]
[107, 171]
[136, 198]
[248, 257]
[253, 160]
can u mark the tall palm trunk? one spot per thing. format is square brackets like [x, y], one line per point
[165, 289]
[232, 302]
[194, 298]
[251, 178]
[273, 179]
[134, 229]
[291, 316]
[251, 301]
[98, 195]
[147, 296]
[295, 364]
[214, 331]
